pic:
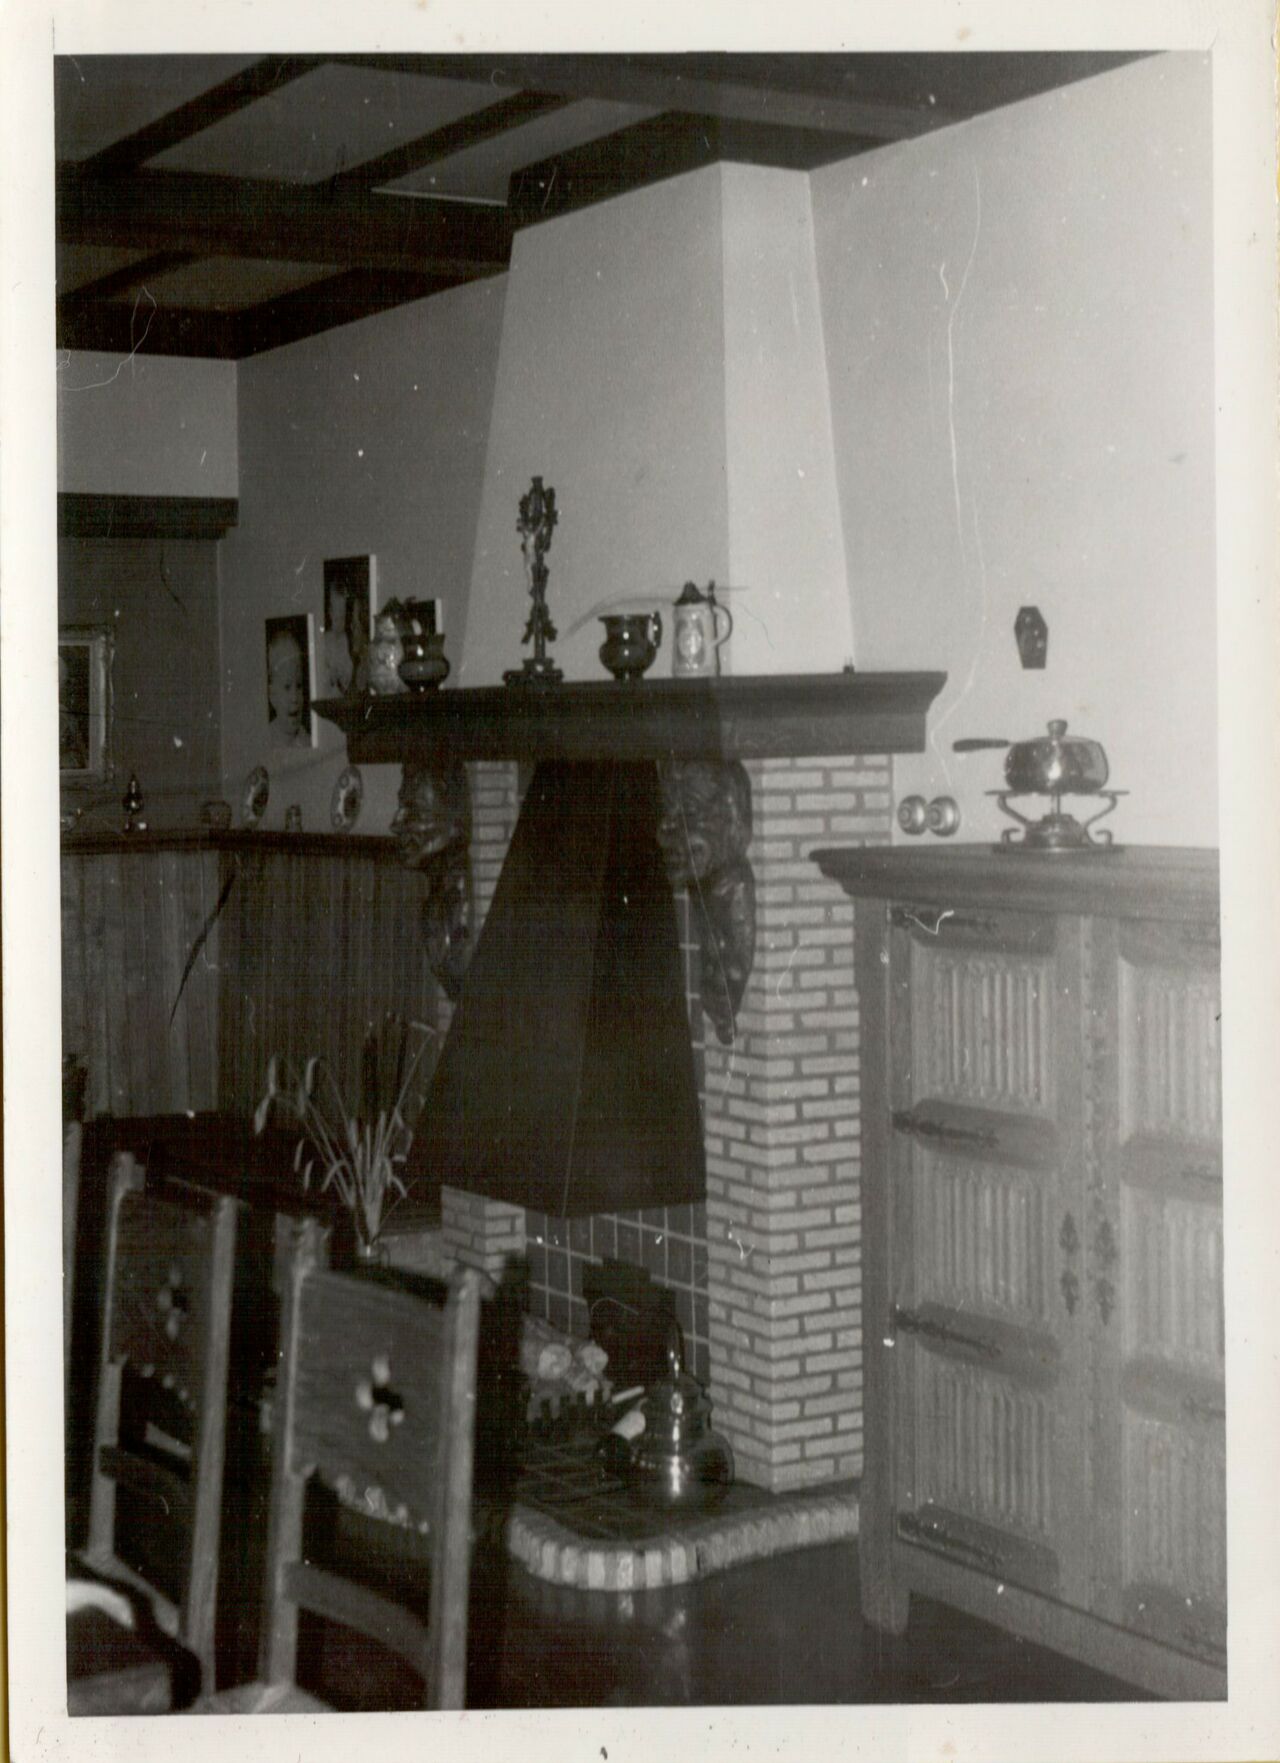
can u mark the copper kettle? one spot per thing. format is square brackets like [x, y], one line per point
[1052, 765]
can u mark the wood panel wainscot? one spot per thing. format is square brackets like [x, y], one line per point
[189, 959]
[1043, 1287]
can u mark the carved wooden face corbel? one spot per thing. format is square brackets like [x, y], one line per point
[704, 830]
[432, 829]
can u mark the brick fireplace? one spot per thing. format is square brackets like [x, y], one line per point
[765, 1274]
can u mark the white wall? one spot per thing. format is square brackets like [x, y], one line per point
[610, 388]
[1019, 327]
[367, 439]
[146, 425]
[662, 369]
[788, 586]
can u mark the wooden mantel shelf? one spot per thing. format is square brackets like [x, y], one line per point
[777, 716]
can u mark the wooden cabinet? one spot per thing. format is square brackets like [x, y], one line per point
[1042, 1214]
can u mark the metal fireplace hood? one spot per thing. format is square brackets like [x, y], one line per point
[566, 1082]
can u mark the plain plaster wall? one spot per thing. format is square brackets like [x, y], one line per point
[611, 389]
[146, 425]
[1019, 324]
[159, 600]
[788, 587]
[369, 439]
[662, 370]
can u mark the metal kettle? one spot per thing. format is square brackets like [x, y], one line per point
[677, 1461]
[1052, 765]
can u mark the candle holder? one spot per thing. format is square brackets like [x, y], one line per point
[537, 522]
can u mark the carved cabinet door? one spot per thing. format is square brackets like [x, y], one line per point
[986, 1212]
[1155, 1290]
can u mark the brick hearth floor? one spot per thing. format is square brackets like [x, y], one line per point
[575, 1524]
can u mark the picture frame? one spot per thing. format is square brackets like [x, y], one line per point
[350, 600]
[289, 662]
[85, 654]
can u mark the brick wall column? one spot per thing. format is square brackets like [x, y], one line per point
[480, 1232]
[783, 1210]
[477, 1231]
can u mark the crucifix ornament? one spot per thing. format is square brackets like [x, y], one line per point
[536, 524]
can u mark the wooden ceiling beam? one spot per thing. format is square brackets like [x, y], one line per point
[792, 91]
[122, 280]
[199, 113]
[298, 223]
[117, 327]
[663, 147]
[441, 143]
[122, 328]
[322, 306]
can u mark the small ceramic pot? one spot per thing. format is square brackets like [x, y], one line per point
[423, 666]
[630, 644]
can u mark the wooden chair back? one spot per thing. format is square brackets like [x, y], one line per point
[376, 1402]
[166, 1327]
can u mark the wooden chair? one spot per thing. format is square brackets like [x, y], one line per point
[376, 1404]
[159, 1435]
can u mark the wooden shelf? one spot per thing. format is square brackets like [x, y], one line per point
[781, 716]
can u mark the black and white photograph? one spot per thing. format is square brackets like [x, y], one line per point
[287, 653]
[84, 703]
[733, 1192]
[350, 594]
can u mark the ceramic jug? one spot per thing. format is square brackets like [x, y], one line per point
[702, 627]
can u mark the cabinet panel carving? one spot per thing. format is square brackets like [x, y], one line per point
[1171, 1052]
[980, 1238]
[984, 1028]
[1175, 1487]
[1175, 1281]
[984, 1447]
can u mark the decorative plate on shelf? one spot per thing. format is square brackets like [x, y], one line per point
[348, 795]
[257, 790]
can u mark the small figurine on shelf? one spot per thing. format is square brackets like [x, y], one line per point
[132, 804]
[537, 522]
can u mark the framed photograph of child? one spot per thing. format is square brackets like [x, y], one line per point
[350, 589]
[288, 650]
[84, 704]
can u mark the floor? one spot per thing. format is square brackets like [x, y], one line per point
[784, 1631]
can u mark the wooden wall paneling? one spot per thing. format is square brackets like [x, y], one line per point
[202, 888]
[76, 1038]
[230, 995]
[97, 1048]
[118, 991]
[312, 947]
[166, 1078]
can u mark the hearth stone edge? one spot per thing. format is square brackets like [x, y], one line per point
[697, 1546]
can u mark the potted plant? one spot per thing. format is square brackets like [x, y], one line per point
[360, 1154]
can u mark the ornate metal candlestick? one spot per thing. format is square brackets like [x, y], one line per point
[537, 521]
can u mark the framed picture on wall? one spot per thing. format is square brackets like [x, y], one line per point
[84, 703]
[288, 652]
[350, 591]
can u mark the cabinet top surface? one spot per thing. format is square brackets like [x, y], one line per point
[1148, 881]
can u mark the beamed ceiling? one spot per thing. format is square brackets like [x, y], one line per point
[223, 205]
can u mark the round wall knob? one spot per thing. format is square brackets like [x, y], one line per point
[913, 814]
[943, 816]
